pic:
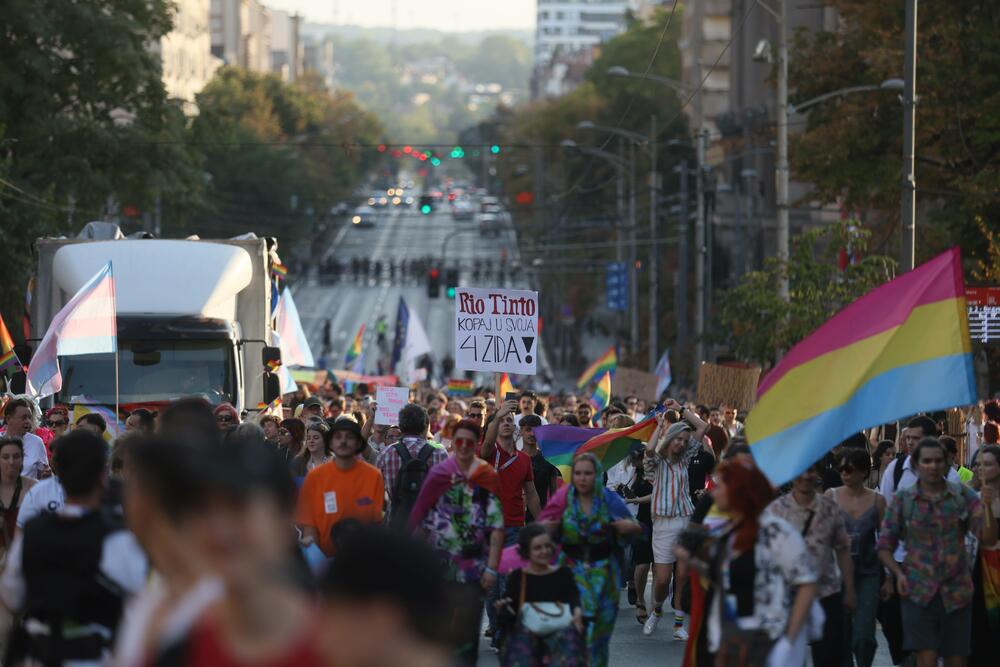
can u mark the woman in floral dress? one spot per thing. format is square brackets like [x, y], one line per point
[588, 519]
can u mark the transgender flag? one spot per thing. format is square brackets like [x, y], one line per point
[295, 350]
[85, 325]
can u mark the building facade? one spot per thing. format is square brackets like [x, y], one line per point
[241, 33]
[186, 54]
[287, 49]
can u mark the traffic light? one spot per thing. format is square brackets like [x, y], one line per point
[426, 204]
[495, 149]
[457, 153]
[433, 284]
[451, 282]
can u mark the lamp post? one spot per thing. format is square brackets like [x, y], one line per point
[648, 143]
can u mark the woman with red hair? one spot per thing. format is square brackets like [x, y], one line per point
[763, 580]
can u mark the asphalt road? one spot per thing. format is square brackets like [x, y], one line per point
[400, 233]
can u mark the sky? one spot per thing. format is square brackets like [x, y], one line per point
[449, 15]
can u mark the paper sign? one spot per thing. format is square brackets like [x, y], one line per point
[496, 330]
[390, 401]
[632, 381]
[728, 385]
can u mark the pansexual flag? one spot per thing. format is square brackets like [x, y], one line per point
[901, 349]
[506, 386]
[354, 351]
[559, 444]
[604, 363]
[458, 387]
[86, 325]
[602, 395]
[8, 359]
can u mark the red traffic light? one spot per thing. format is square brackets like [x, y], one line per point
[381, 148]
[435, 273]
[407, 149]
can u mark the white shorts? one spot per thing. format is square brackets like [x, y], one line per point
[666, 530]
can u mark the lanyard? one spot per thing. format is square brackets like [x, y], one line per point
[509, 463]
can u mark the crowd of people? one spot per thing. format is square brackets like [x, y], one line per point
[312, 535]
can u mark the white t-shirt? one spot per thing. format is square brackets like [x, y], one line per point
[34, 453]
[46, 496]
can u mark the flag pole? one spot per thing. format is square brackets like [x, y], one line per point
[114, 293]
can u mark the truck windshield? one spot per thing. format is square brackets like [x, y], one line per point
[151, 370]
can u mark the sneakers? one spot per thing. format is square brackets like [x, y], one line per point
[651, 623]
[680, 634]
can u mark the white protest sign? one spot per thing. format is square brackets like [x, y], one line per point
[496, 330]
[390, 401]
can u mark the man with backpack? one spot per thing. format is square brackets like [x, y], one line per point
[405, 465]
[934, 580]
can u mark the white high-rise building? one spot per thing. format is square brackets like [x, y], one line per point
[568, 26]
[185, 53]
[286, 45]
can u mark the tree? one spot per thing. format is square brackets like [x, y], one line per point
[84, 121]
[851, 147]
[277, 155]
[757, 324]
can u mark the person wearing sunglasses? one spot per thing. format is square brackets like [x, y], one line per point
[862, 510]
[459, 512]
[57, 419]
[226, 416]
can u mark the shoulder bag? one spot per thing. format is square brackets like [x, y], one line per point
[543, 618]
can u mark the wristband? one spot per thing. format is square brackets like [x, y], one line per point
[490, 570]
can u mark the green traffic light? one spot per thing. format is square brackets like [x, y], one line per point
[495, 149]
[451, 292]
[436, 162]
[426, 209]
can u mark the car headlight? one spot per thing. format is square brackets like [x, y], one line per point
[356, 219]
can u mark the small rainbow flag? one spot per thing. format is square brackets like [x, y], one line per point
[506, 386]
[115, 426]
[559, 444]
[605, 363]
[276, 403]
[354, 351]
[901, 349]
[279, 270]
[273, 364]
[602, 395]
[457, 387]
[7, 356]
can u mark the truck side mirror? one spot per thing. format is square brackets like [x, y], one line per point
[270, 356]
[272, 388]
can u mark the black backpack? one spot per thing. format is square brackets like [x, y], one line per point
[897, 472]
[412, 473]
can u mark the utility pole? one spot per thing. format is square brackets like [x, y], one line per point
[781, 171]
[683, 261]
[908, 212]
[654, 257]
[633, 286]
[699, 253]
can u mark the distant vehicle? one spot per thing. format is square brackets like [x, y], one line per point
[487, 203]
[489, 224]
[437, 195]
[364, 216]
[378, 199]
[462, 209]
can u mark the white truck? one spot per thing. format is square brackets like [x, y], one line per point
[194, 317]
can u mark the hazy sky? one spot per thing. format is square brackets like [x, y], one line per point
[452, 15]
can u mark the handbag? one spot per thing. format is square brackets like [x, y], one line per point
[543, 618]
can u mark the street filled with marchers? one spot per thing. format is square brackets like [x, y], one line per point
[529, 334]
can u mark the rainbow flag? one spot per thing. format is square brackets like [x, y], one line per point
[602, 395]
[7, 356]
[115, 426]
[276, 403]
[901, 349]
[506, 386]
[457, 387]
[605, 363]
[279, 270]
[559, 444]
[354, 351]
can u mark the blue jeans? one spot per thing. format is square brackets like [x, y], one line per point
[861, 628]
[509, 539]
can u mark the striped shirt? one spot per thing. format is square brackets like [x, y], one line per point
[671, 492]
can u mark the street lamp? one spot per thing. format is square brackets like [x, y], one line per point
[618, 70]
[893, 84]
[636, 140]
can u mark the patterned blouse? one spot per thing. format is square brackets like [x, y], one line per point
[934, 530]
[782, 564]
[827, 533]
[459, 526]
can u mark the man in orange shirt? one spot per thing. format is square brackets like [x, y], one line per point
[345, 488]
